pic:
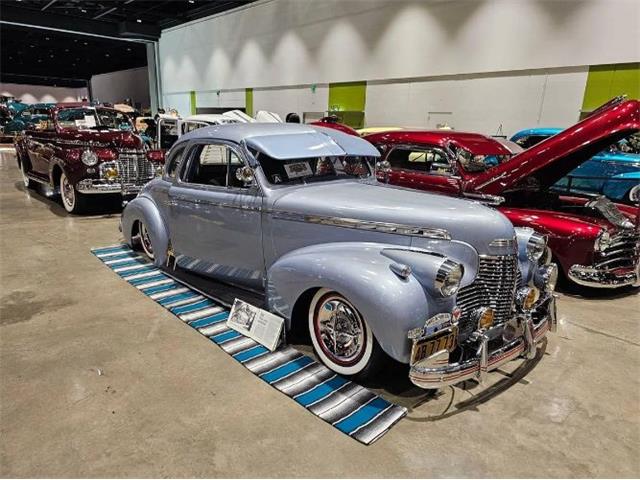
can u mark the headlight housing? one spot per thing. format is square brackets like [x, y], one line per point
[449, 277]
[602, 241]
[89, 158]
[536, 247]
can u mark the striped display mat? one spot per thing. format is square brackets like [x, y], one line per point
[349, 407]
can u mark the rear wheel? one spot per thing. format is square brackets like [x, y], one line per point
[341, 337]
[72, 200]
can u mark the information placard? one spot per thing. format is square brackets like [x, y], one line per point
[262, 326]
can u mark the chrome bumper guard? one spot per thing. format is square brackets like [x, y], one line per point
[90, 186]
[602, 278]
[436, 372]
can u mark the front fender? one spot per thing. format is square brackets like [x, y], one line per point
[361, 272]
[144, 209]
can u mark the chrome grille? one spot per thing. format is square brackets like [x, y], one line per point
[494, 286]
[134, 168]
[622, 252]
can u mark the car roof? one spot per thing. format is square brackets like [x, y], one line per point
[542, 131]
[476, 143]
[286, 140]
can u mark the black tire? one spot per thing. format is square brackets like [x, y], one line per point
[362, 362]
[73, 201]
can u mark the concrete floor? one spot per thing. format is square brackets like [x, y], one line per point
[169, 403]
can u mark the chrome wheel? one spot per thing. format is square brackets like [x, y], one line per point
[341, 337]
[145, 240]
[68, 193]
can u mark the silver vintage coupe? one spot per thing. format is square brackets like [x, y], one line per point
[294, 212]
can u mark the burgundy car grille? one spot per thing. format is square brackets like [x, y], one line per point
[622, 252]
[134, 168]
[495, 285]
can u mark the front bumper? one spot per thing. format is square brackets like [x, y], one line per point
[436, 371]
[604, 278]
[97, 186]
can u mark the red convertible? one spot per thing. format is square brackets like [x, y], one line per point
[594, 241]
[82, 152]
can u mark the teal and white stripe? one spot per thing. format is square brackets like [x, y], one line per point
[347, 406]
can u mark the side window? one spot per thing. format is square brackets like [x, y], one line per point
[212, 164]
[429, 160]
[174, 161]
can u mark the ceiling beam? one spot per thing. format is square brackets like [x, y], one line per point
[53, 21]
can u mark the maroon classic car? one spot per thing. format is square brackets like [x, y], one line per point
[595, 242]
[82, 151]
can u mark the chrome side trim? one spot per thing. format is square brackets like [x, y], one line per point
[368, 225]
[503, 242]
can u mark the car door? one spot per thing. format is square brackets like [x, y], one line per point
[423, 168]
[39, 138]
[215, 220]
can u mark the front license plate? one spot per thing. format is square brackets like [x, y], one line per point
[427, 347]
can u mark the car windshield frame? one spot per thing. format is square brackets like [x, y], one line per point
[97, 123]
[304, 170]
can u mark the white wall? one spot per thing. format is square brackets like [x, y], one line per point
[224, 99]
[42, 94]
[480, 103]
[178, 101]
[300, 42]
[114, 87]
[293, 99]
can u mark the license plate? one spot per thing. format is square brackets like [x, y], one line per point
[427, 347]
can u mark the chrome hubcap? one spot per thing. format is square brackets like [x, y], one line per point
[146, 240]
[340, 331]
[68, 194]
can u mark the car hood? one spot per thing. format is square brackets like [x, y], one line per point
[556, 156]
[105, 138]
[370, 201]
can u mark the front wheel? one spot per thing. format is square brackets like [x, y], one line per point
[72, 200]
[341, 337]
[145, 240]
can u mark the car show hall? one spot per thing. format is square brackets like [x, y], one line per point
[319, 239]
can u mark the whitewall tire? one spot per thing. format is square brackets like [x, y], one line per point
[340, 335]
[72, 200]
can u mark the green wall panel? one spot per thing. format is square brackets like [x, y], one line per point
[347, 96]
[248, 101]
[607, 81]
[192, 96]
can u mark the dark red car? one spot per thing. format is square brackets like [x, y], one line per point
[83, 152]
[594, 241]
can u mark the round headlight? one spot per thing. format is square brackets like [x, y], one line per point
[89, 158]
[449, 277]
[602, 241]
[536, 247]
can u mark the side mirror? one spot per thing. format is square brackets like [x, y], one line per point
[245, 175]
[634, 194]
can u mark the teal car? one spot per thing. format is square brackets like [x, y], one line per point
[28, 116]
[611, 173]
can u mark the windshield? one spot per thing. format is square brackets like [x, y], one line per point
[86, 118]
[305, 170]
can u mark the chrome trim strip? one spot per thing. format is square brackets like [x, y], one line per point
[368, 225]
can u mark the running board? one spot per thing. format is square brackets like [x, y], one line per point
[221, 292]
